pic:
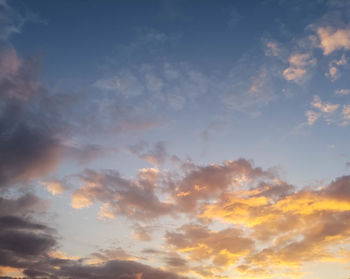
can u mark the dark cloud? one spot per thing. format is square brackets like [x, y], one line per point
[340, 188]
[24, 243]
[37, 126]
[22, 206]
[115, 270]
[30, 142]
[28, 152]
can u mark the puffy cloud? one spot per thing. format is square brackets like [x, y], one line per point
[324, 107]
[333, 72]
[332, 39]
[134, 198]
[298, 66]
[201, 183]
[329, 112]
[295, 228]
[224, 248]
[54, 187]
[326, 110]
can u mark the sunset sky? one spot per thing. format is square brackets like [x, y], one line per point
[175, 139]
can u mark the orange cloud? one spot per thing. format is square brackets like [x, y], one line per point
[332, 39]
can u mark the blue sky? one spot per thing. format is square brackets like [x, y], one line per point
[174, 139]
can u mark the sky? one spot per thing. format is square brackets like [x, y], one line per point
[174, 139]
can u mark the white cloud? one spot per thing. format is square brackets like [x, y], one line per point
[346, 112]
[298, 65]
[333, 72]
[324, 107]
[312, 116]
[329, 112]
[332, 39]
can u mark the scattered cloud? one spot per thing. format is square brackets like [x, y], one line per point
[12, 21]
[342, 91]
[133, 198]
[156, 155]
[332, 39]
[299, 63]
[333, 72]
[55, 187]
[142, 232]
[329, 112]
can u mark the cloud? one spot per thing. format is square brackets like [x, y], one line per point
[346, 112]
[171, 84]
[245, 85]
[332, 39]
[200, 183]
[342, 91]
[224, 248]
[135, 198]
[86, 153]
[156, 155]
[333, 73]
[24, 243]
[17, 77]
[11, 21]
[105, 255]
[55, 187]
[115, 270]
[37, 125]
[329, 112]
[324, 107]
[28, 248]
[22, 206]
[272, 48]
[326, 110]
[27, 153]
[141, 232]
[298, 66]
[312, 116]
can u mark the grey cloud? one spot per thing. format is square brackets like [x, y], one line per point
[156, 155]
[133, 198]
[115, 270]
[200, 183]
[24, 243]
[22, 206]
